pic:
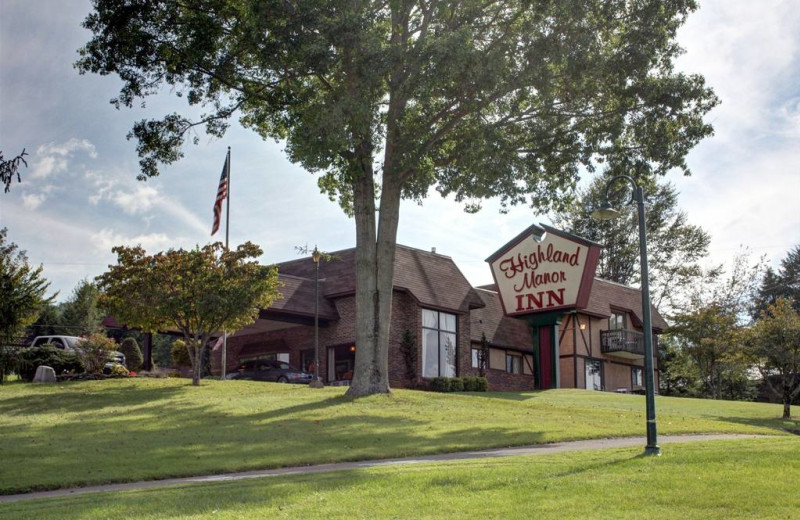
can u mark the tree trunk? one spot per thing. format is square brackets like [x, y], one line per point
[370, 374]
[787, 401]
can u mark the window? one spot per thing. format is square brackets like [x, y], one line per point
[438, 344]
[594, 374]
[513, 363]
[636, 376]
[616, 321]
[480, 358]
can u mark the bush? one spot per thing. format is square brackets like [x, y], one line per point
[93, 352]
[470, 385]
[180, 354]
[133, 354]
[440, 384]
[120, 370]
[482, 384]
[456, 384]
[59, 360]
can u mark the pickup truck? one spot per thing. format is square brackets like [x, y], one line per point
[71, 343]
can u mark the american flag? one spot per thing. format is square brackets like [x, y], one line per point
[222, 192]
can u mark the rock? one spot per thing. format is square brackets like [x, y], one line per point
[44, 375]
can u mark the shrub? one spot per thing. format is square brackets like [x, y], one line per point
[482, 384]
[59, 360]
[456, 384]
[120, 370]
[470, 385]
[180, 354]
[133, 354]
[440, 384]
[408, 349]
[93, 352]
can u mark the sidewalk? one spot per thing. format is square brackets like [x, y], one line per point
[537, 449]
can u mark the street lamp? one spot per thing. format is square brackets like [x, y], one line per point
[606, 212]
[316, 256]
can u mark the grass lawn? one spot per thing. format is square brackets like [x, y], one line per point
[136, 429]
[712, 480]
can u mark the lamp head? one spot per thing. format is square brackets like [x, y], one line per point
[605, 212]
[315, 255]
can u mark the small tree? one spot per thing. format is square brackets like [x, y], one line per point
[94, 352]
[774, 346]
[133, 354]
[198, 292]
[483, 356]
[408, 348]
[22, 296]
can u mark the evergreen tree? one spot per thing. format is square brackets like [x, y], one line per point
[675, 247]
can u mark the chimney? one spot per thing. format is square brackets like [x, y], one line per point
[433, 250]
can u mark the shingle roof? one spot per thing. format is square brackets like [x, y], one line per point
[433, 279]
[298, 298]
[607, 295]
[500, 330]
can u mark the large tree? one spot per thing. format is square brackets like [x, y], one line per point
[675, 247]
[474, 98]
[774, 346]
[22, 295]
[199, 292]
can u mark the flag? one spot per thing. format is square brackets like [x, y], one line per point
[222, 192]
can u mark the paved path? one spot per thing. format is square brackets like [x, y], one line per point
[537, 449]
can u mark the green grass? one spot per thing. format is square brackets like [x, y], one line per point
[95, 432]
[711, 480]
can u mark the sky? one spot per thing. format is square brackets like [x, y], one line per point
[80, 197]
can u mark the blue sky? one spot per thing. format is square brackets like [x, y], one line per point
[80, 196]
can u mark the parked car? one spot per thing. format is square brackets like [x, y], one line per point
[71, 343]
[271, 370]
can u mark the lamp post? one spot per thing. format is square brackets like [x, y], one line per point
[316, 256]
[607, 212]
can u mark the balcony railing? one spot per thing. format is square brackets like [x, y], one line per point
[622, 342]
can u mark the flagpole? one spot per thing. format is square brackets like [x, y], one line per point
[227, 234]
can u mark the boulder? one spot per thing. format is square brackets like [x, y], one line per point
[44, 374]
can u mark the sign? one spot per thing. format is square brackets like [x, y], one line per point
[544, 269]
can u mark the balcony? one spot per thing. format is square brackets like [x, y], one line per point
[622, 343]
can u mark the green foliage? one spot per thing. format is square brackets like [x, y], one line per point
[440, 384]
[80, 313]
[180, 354]
[456, 384]
[675, 247]
[133, 354]
[198, 292]
[120, 370]
[483, 355]
[508, 100]
[476, 384]
[785, 283]
[60, 360]
[22, 294]
[409, 351]
[162, 350]
[773, 345]
[94, 352]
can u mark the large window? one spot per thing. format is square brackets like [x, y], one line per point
[438, 344]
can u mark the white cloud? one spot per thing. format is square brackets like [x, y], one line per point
[138, 199]
[32, 201]
[54, 158]
[105, 239]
